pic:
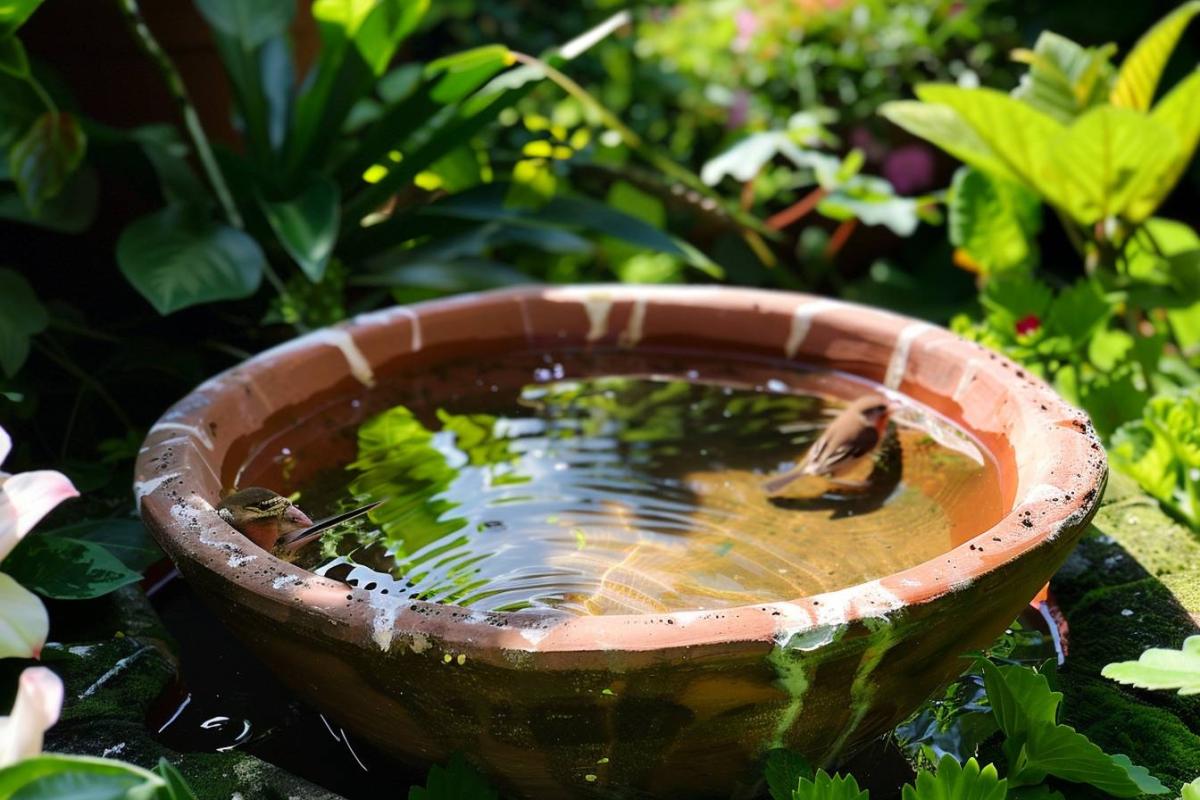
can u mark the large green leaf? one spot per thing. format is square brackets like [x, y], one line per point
[69, 785]
[358, 39]
[13, 14]
[22, 316]
[72, 210]
[1079, 311]
[1159, 668]
[67, 569]
[307, 226]
[995, 221]
[1138, 78]
[825, 787]
[1108, 163]
[48, 154]
[125, 539]
[455, 781]
[176, 261]
[1175, 112]
[1065, 78]
[13, 58]
[1192, 790]
[784, 770]
[250, 22]
[1017, 134]
[954, 782]
[168, 155]
[946, 128]
[176, 788]
[21, 780]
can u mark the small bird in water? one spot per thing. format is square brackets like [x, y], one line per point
[270, 520]
[854, 435]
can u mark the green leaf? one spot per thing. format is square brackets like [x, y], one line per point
[824, 787]
[455, 781]
[534, 182]
[1192, 790]
[67, 569]
[1109, 163]
[307, 226]
[48, 154]
[946, 128]
[250, 22]
[374, 28]
[994, 220]
[784, 770]
[13, 59]
[1016, 133]
[168, 155]
[1079, 311]
[125, 539]
[1108, 348]
[872, 201]
[175, 261]
[954, 782]
[72, 210]
[1060, 751]
[1162, 669]
[24, 779]
[1065, 78]
[22, 316]
[176, 788]
[1175, 112]
[1139, 74]
[13, 14]
[462, 73]
[1020, 698]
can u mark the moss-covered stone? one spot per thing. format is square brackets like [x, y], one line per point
[1133, 583]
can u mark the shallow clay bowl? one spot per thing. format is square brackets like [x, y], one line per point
[683, 704]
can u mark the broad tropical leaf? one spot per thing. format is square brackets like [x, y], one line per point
[22, 316]
[176, 261]
[307, 226]
[1162, 669]
[1139, 74]
[994, 220]
[67, 569]
[1108, 163]
[1065, 78]
[1175, 112]
[946, 128]
[98, 779]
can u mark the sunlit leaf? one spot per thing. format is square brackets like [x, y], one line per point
[946, 128]
[13, 14]
[175, 261]
[996, 221]
[1065, 78]
[1159, 668]
[1176, 112]
[1192, 790]
[48, 154]
[94, 779]
[1139, 74]
[824, 787]
[307, 226]
[1079, 311]
[954, 782]
[22, 316]
[1109, 160]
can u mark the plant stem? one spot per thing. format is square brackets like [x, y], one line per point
[141, 32]
[42, 94]
[797, 210]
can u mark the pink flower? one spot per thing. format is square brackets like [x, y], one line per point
[38, 704]
[747, 24]
[1028, 324]
[909, 168]
[24, 499]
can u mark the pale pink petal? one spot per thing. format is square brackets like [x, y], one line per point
[24, 624]
[5, 444]
[39, 701]
[24, 499]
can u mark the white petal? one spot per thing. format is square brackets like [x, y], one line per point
[5, 444]
[39, 701]
[24, 499]
[24, 624]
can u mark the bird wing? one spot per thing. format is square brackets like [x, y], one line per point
[821, 459]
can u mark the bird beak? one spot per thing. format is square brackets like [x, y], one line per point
[297, 517]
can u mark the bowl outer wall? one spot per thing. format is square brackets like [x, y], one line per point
[684, 701]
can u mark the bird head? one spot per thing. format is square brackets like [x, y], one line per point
[874, 410]
[262, 516]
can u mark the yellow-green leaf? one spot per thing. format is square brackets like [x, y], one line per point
[1018, 134]
[1177, 112]
[1108, 164]
[1139, 74]
[948, 130]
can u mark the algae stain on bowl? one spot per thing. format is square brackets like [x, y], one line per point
[601, 483]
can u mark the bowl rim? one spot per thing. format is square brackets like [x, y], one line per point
[1059, 492]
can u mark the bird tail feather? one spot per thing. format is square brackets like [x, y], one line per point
[780, 481]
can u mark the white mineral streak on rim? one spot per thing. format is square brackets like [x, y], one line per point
[802, 320]
[898, 364]
[143, 488]
[386, 315]
[637, 321]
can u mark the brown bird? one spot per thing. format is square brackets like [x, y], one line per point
[853, 435]
[272, 521]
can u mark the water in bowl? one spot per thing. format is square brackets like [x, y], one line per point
[613, 484]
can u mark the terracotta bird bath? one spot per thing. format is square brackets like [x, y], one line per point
[681, 704]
